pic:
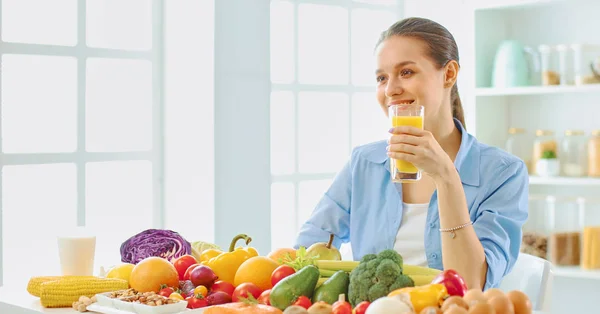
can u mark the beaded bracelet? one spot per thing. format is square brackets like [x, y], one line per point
[451, 230]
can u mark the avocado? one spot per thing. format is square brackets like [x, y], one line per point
[288, 289]
[331, 289]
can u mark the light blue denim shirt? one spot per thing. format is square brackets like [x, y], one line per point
[364, 207]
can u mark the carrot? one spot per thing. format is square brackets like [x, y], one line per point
[242, 308]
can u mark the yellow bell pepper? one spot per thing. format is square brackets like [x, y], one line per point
[208, 254]
[424, 296]
[226, 264]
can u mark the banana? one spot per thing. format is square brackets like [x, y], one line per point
[321, 281]
[419, 270]
[336, 265]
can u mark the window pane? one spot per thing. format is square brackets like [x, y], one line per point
[118, 24]
[309, 194]
[40, 22]
[369, 122]
[379, 2]
[118, 200]
[39, 104]
[282, 133]
[282, 42]
[38, 201]
[283, 215]
[367, 25]
[322, 44]
[118, 105]
[323, 131]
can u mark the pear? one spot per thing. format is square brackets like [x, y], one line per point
[324, 251]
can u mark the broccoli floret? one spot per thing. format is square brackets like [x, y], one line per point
[392, 255]
[368, 257]
[375, 275]
[402, 281]
[377, 291]
[387, 272]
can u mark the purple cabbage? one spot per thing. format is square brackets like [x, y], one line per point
[154, 242]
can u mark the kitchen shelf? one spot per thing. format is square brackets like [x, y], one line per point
[536, 90]
[535, 180]
[576, 272]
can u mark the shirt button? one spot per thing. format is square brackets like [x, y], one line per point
[434, 256]
[431, 224]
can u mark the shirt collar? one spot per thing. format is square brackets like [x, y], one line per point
[466, 162]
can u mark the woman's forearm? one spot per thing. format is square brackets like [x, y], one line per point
[463, 253]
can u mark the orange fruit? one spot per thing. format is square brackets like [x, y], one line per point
[151, 273]
[282, 254]
[256, 270]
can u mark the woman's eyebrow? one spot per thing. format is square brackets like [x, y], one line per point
[397, 65]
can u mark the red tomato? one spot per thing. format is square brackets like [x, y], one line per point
[186, 275]
[280, 273]
[303, 302]
[195, 302]
[264, 297]
[166, 291]
[182, 263]
[243, 290]
[220, 285]
[361, 308]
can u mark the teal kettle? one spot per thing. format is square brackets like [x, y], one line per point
[514, 65]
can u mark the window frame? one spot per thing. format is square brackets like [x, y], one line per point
[80, 157]
[296, 178]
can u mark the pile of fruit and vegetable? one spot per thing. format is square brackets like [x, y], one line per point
[162, 271]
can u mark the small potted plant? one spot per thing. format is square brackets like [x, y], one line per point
[548, 165]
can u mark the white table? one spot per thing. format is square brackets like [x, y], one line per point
[21, 302]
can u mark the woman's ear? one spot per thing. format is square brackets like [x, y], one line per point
[451, 73]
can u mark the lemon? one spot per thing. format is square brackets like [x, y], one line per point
[121, 271]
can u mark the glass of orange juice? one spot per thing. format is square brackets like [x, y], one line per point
[405, 115]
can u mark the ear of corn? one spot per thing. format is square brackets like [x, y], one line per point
[33, 286]
[64, 290]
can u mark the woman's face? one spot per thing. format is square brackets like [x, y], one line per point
[405, 74]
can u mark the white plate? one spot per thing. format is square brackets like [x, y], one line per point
[108, 305]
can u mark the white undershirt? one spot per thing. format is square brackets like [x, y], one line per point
[410, 238]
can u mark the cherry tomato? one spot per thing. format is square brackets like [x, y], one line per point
[186, 274]
[201, 290]
[303, 302]
[166, 291]
[196, 301]
[264, 297]
[182, 263]
[361, 308]
[280, 273]
[224, 286]
[242, 291]
[175, 296]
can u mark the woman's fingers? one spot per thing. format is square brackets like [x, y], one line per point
[404, 148]
[407, 130]
[402, 156]
[404, 139]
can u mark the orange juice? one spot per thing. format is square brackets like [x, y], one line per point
[414, 121]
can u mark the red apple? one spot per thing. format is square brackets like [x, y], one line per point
[242, 292]
[453, 282]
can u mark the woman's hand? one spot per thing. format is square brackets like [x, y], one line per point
[420, 148]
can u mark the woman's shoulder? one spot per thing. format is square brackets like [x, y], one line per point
[495, 162]
[373, 152]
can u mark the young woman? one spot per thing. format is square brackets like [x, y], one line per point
[466, 212]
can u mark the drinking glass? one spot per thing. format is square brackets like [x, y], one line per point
[405, 115]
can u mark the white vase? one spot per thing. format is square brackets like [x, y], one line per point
[547, 167]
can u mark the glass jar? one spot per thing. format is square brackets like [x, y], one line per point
[573, 154]
[593, 151]
[518, 144]
[564, 66]
[545, 151]
[590, 254]
[550, 74]
[535, 229]
[565, 221]
[584, 58]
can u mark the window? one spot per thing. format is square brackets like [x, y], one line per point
[80, 127]
[323, 100]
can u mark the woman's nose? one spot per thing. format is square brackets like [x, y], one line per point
[393, 87]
